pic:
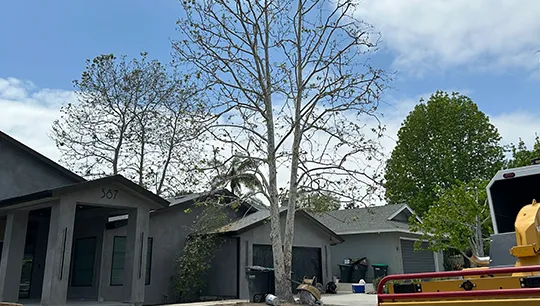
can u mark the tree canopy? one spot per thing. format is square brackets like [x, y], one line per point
[135, 118]
[521, 155]
[291, 92]
[459, 219]
[440, 142]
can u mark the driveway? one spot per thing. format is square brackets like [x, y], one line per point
[350, 299]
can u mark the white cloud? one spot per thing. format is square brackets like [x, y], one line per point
[437, 34]
[511, 126]
[516, 125]
[27, 114]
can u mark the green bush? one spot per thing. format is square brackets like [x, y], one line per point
[376, 283]
[197, 254]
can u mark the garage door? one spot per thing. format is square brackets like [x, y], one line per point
[305, 261]
[416, 261]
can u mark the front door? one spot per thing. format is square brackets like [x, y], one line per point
[28, 260]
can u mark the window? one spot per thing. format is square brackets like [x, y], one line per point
[83, 262]
[119, 252]
[117, 267]
[148, 261]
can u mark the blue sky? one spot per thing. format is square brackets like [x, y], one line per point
[485, 49]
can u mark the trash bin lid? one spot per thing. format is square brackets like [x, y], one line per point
[380, 265]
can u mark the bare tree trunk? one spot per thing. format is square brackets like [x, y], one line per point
[297, 137]
[479, 239]
[283, 287]
[141, 160]
[167, 161]
[117, 150]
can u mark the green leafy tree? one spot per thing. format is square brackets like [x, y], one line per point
[459, 219]
[440, 142]
[521, 156]
[237, 173]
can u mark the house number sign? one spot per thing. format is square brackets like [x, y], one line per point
[109, 193]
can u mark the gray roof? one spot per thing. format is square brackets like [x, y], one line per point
[51, 193]
[365, 220]
[248, 221]
[186, 198]
[257, 218]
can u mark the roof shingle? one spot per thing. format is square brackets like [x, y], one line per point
[361, 220]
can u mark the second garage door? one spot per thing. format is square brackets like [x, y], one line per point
[305, 261]
[416, 261]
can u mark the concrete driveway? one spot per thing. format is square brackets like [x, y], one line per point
[350, 299]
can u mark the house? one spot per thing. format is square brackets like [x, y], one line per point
[66, 238]
[54, 224]
[380, 233]
[246, 243]
[311, 254]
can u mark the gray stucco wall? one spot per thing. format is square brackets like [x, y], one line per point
[168, 233]
[378, 248]
[305, 235]
[21, 173]
[169, 229]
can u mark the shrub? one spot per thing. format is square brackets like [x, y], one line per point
[197, 254]
[376, 283]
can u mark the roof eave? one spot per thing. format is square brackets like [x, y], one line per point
[376, 231]
[161, 202]
[405, 207]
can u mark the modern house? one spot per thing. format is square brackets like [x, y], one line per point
[382, 234]
[65, 238]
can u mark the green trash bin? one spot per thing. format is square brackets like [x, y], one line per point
[345, 273]
[380, 270]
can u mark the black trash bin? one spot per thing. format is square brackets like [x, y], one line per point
[359, 269]
[380, 270]
[261, 281]
[346, 273]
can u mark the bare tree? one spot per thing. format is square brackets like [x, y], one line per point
[292, 94]
[136, 118]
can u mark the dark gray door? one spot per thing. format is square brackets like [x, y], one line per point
[222, 278]
[416, 261]
[306, 262]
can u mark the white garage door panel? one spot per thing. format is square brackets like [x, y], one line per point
[416, 261]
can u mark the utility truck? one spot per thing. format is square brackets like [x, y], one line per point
[511, 273]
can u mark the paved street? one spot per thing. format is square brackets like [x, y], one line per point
[350, 299]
